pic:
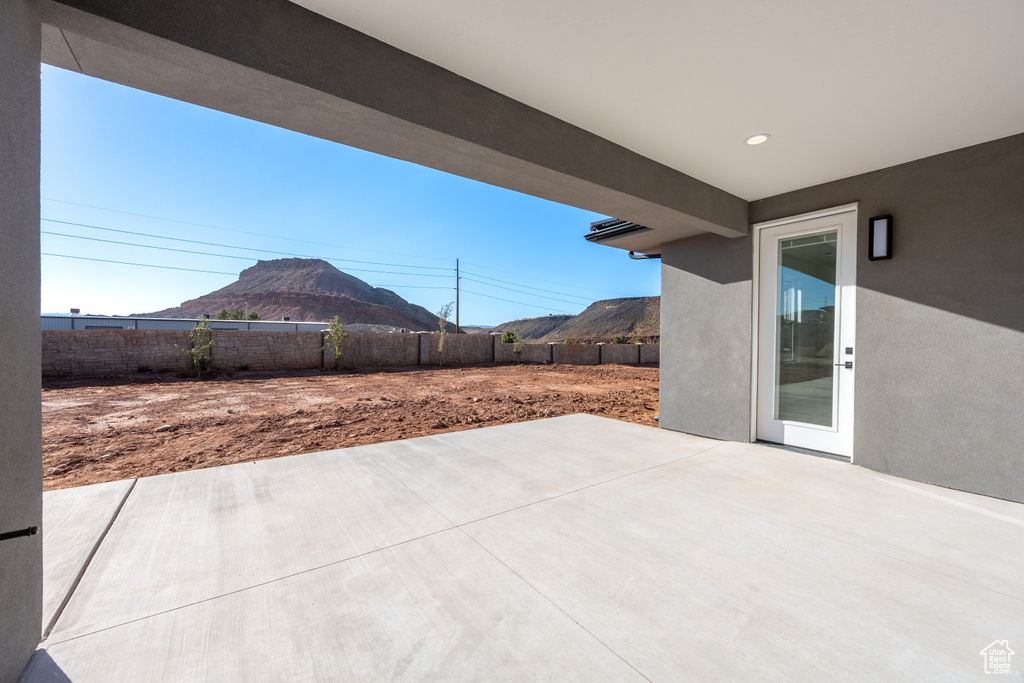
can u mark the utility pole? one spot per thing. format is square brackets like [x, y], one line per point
[456, 296]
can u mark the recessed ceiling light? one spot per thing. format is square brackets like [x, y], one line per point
[758, 139]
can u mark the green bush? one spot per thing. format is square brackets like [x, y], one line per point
[515, 339]
[201, 337]
[337, 334]
[620, 340]
[442, 328]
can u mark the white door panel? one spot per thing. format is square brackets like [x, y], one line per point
[805, 332]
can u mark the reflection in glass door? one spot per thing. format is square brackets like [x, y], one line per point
[805, 329]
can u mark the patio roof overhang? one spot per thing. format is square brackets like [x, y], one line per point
[517, 95]
[279, 63]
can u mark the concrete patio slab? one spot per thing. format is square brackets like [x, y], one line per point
[470, 475]
[963, 535]
[437, 608]
[585, 549]
[687, 577]
[190, 536]
[74, 521]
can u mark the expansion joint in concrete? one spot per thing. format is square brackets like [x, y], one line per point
[85, 565]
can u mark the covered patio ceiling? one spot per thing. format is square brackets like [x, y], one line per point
[843, 88]
[637, 111]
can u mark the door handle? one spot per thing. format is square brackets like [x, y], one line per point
[30, 531]
[848, 365]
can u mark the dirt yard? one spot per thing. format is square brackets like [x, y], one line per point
[103, 430]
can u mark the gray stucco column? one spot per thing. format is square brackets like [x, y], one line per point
[706, 294]
[21, 481]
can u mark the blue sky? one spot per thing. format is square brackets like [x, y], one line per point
[194, 174]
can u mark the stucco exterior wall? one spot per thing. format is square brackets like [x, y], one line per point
[705, 336]
[940, 327]
[21, 475]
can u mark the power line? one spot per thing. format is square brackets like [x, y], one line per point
[550, 282]
[145, 246]
[292, 239]
[143, 265]
[194, 270]
[241, 232]
[205, 253]
[539, 296]
[516, 284]
[410, 287]
[283, 253]
[231, 246]
[521, 303]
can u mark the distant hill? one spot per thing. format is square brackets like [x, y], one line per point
[308, 290]
[632, 317]
[534, 328]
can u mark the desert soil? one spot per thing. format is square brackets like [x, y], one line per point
[104, 430]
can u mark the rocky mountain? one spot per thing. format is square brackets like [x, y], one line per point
[534, 328]
[634, 317]
[310, 290]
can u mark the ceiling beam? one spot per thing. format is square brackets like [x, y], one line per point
[276, 62]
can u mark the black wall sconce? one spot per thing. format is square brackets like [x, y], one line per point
[880, 238]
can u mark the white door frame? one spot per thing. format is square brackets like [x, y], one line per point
[755, 231]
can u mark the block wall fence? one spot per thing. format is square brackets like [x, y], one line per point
[96, 353]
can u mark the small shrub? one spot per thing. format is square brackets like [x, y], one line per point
[620, 340]
[515, 339]
[142, 369]
[442, 325]
[517, 344]
[337, 334]
[201, 337]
